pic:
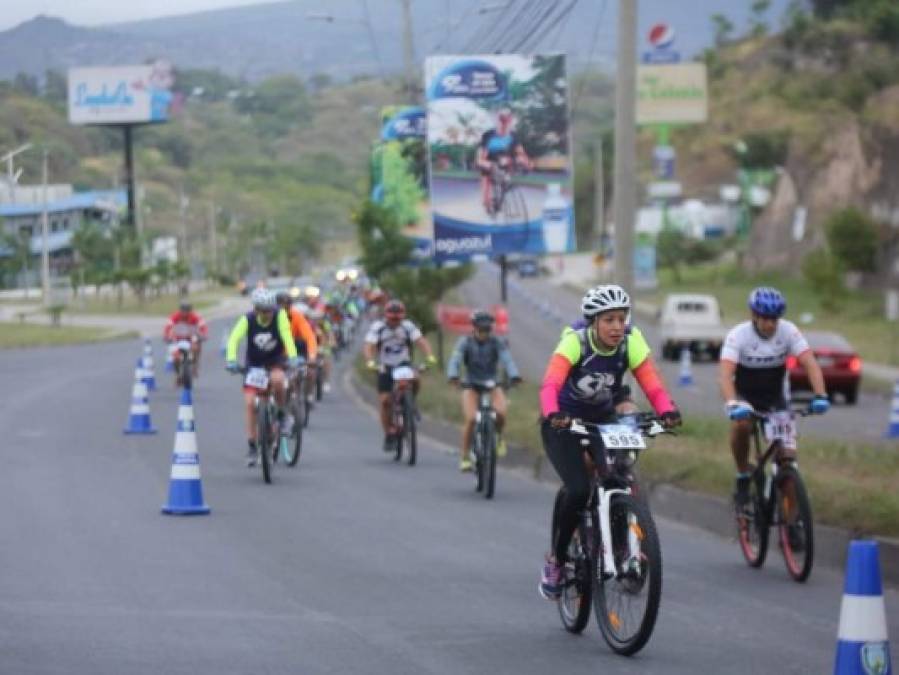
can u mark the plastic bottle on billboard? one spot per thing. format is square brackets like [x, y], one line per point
[556, 220]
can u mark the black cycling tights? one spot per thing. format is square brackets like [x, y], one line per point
[567, 456]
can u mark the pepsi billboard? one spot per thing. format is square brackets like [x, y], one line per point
[661, 40]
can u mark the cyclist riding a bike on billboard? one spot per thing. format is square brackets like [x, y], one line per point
[481, 353]
[752, 376]
[584, 380]
[389, 343]
[499, 148]
[186, 324]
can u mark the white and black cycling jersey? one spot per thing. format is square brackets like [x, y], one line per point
[394, 345]
[762, 363]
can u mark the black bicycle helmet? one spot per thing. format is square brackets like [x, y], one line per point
[482, 319]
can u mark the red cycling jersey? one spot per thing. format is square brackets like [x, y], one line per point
[182, 326]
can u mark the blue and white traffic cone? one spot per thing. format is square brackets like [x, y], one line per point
[148, 366]
[862, 644]
[139, 421]
[893, 429]
[170, 359]
[185, 487]
[685, 378]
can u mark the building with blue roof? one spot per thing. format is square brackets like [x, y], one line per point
[65, 216]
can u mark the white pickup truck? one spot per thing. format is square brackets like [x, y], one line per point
[692, 321]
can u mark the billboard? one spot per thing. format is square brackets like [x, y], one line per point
[672, 94]
[121, 94]
[399, 173]
[499, 155]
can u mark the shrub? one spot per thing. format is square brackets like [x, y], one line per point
[824, 273]
[853, 239]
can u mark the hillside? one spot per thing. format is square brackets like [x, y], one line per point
[256, 41]
[817, 103]
[284, 165]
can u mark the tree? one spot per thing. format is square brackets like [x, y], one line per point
[19, 245]
[853, 239]
[824, 273]
[757, 24]
[671, 247]
[723, 28]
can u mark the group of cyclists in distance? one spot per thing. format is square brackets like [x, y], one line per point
[584, 380]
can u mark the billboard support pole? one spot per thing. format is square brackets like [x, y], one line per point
[503, 273]
[625, 141]
[129, 173]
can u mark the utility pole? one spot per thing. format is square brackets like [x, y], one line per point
[625, 141]
[213, 236]
[409, 53]
[45, 234]
[599, 197]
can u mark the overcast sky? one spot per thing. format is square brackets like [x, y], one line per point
[93, 12]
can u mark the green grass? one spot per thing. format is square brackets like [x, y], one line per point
[30, 335]
[162, 305]
[851, 486]
[860, 320]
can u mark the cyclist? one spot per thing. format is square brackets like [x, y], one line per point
[584, 380]
[186, 324]
[388, 344]
[269, 338]
[481, 353]
[303, 335]
[753, 375]
[325, 337]
[499, 146]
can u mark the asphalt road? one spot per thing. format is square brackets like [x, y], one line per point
[538, 310]
[348, 563]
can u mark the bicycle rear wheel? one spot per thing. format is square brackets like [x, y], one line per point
[264, 439]
[795, 524]
[752, 522]
[409, 425]
[478, 452]
[577, 589]
[627, 604]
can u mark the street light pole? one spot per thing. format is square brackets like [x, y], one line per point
[625, 141]
[409, 52]
[45, 234]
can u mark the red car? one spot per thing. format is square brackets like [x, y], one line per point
[841, 365]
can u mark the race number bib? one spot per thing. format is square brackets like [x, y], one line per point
[403, 373]
[184, 345]
[621, 436]
[257, 378]
[780, 426]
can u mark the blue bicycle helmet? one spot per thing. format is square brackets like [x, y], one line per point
[767, 301]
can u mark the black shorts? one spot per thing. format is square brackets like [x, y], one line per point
[385, 382]
[302, 350]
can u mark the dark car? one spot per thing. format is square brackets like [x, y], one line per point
[840, 363]
[528, 267]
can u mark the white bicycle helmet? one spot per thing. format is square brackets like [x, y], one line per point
[601, 299]
[263, 299]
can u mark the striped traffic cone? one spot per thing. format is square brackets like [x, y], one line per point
[685, 378]
[893, 429]
[148, 366]
[862, 645]
[139, 416]
[185, 487]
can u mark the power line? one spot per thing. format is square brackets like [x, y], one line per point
[481, 34]
[593, 42]
[533, 39]
[523, 25]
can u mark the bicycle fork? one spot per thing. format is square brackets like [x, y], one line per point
[609, 569]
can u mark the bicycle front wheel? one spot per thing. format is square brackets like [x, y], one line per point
[795, 528]
[398, 423]
[626, 599]
[295, 444]
[264, 439]
[752, 523]
[489, 459]
[409, 430]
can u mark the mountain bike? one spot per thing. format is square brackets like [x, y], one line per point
[485, 438]
[777, 497]
[267, 429]
[404, 412]
[184, 362]
[319, 377]
[507, 201]
[614, 558]
[291, 445]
